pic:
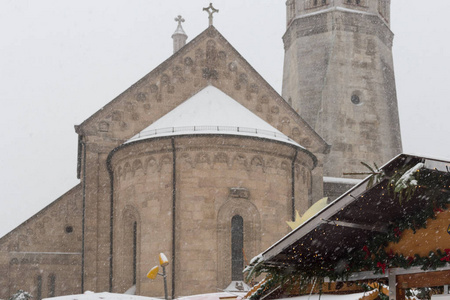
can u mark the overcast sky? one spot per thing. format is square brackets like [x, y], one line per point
[61, 61]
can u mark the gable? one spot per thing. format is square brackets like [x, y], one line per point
[207, 60]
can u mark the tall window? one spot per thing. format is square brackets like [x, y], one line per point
[51, 285]
[39, 287]
[237, 248]
[134, 252]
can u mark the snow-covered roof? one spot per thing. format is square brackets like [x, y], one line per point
[211, 111]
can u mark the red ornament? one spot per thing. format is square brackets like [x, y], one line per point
[366, 249]
[382, 266]
[447, 257]
[438, 209]
[410, 260]
[397, 232]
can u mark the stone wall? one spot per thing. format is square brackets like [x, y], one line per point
[339, 76]
[46, 246]
[216, 177]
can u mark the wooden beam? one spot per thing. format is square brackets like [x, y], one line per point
[428, 279]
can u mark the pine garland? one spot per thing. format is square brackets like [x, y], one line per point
[373, 256]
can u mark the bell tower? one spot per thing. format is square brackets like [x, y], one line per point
[339, 76]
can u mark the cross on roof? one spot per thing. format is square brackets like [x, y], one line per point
[210, 10]
[179, 19]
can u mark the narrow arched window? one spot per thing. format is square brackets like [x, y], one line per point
[237, 248]
[51, 285]
[39, 287]
[134, 252]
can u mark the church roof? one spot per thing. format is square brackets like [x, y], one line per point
[211, 111]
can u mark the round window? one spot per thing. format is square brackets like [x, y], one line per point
[355, 99]
[69, 229]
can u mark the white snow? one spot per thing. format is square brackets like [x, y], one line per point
[211, 111]
[341, 180]
[237, 287]
[50, 253]
[408, 179]
[101, 296]
[213, 296]
[329, 297]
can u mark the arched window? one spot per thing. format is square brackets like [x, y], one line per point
[39, 287]
[237, 248]
[134, 252]
[51, 285]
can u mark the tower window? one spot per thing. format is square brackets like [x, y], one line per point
[237, 248]
[315, 3]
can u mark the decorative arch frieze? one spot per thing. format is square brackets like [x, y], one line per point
[240, 161]
[151, 165]
[137, 167]
[221, 158]
[202, 159]
[257, 164]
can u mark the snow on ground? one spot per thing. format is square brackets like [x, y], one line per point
[101, 296]
[211, 296]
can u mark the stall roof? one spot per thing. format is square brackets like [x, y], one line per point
[349, 221]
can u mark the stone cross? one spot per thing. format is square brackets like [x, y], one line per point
[179, 19]
[210, 10]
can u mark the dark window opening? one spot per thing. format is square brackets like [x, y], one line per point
[237, 248]
[134, 252]
[39, 287]
[51, 285]
[315, 2]
[324, 2]
[358, 2]
[355, 99]
[69, 229]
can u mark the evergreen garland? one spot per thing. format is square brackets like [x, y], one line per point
[373, 257]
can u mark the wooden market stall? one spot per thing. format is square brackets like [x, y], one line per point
[393, 227]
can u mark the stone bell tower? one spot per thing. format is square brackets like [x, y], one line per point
[339, 76]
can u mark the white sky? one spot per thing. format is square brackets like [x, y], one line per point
[61, 61]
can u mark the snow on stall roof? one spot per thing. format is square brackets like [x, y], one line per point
[328, 297]
[211, 111]
[213, 296]
[341, 180]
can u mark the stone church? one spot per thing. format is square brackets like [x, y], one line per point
[203, 160]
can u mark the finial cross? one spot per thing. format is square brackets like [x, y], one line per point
[179, 19]
[210, 10]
